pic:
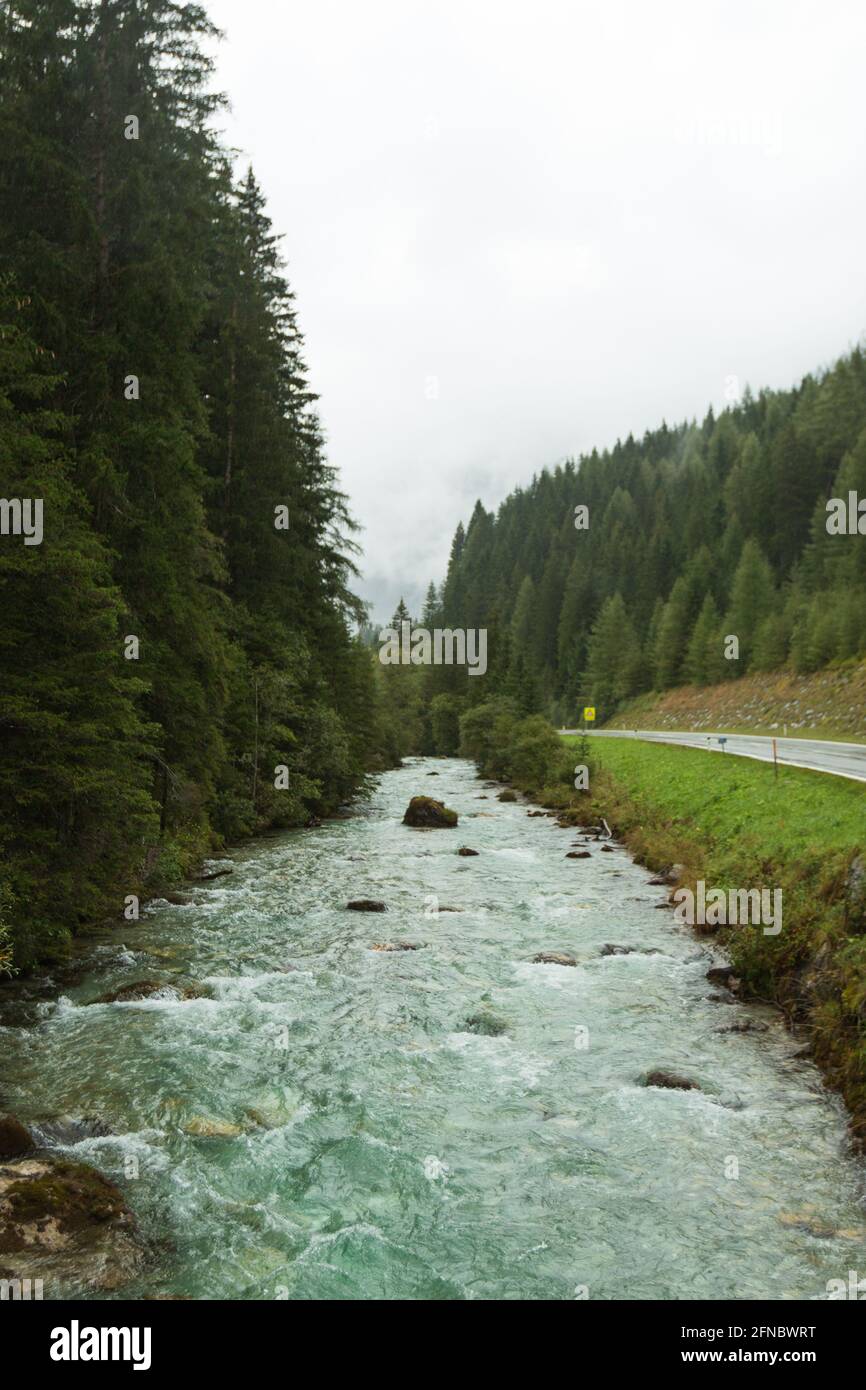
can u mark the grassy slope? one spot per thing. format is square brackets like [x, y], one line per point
[733, 824]
[825, 704]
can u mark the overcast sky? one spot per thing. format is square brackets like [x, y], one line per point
[518, 231]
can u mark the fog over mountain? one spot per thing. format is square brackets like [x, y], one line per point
[515, 237]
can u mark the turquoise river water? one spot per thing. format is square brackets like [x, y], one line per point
[324, 1124]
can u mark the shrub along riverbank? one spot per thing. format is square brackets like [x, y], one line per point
[734, 824]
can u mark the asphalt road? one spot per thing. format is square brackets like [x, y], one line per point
[840, 759]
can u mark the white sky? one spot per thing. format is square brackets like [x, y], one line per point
[517, 231]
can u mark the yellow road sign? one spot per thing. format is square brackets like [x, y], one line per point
[589, 712]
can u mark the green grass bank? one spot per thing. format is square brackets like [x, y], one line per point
[736, 824]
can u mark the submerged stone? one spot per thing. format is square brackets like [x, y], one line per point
[146, 989]
[671, 1081]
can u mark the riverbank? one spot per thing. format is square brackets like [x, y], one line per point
[736, 824]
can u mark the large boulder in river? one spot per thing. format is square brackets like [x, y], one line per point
[553, 958]
[15, 1138]
[425, 813]
[467, 853]
[366, 905]
[65, 1220]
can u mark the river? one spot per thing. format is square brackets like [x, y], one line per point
[324, 1125]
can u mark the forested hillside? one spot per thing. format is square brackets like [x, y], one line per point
[185, 627]
[692, 534]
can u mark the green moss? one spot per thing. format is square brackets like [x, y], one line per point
[70, 1194]
[425, 811]
[487, 1024]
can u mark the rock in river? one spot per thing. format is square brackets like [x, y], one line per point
[394, 946]
[723, 975]
[365, 905]
[15, 1138]
[487, 1024]
[578, 854]
[671, 1081]
[425, 813]
[467, 853]
[146, 989]
[67, 1219]
[609, 949]
[507, 795]
[553, 958]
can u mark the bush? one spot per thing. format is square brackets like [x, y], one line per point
[534, 752]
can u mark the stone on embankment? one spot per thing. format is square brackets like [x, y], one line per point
[425, 813]
[365, 905]
[666, 876]
[855, 898]
[67, 1218]
[507, 795]
[723, 975]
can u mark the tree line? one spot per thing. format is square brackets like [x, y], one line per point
[629, 570]
[186, 626]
